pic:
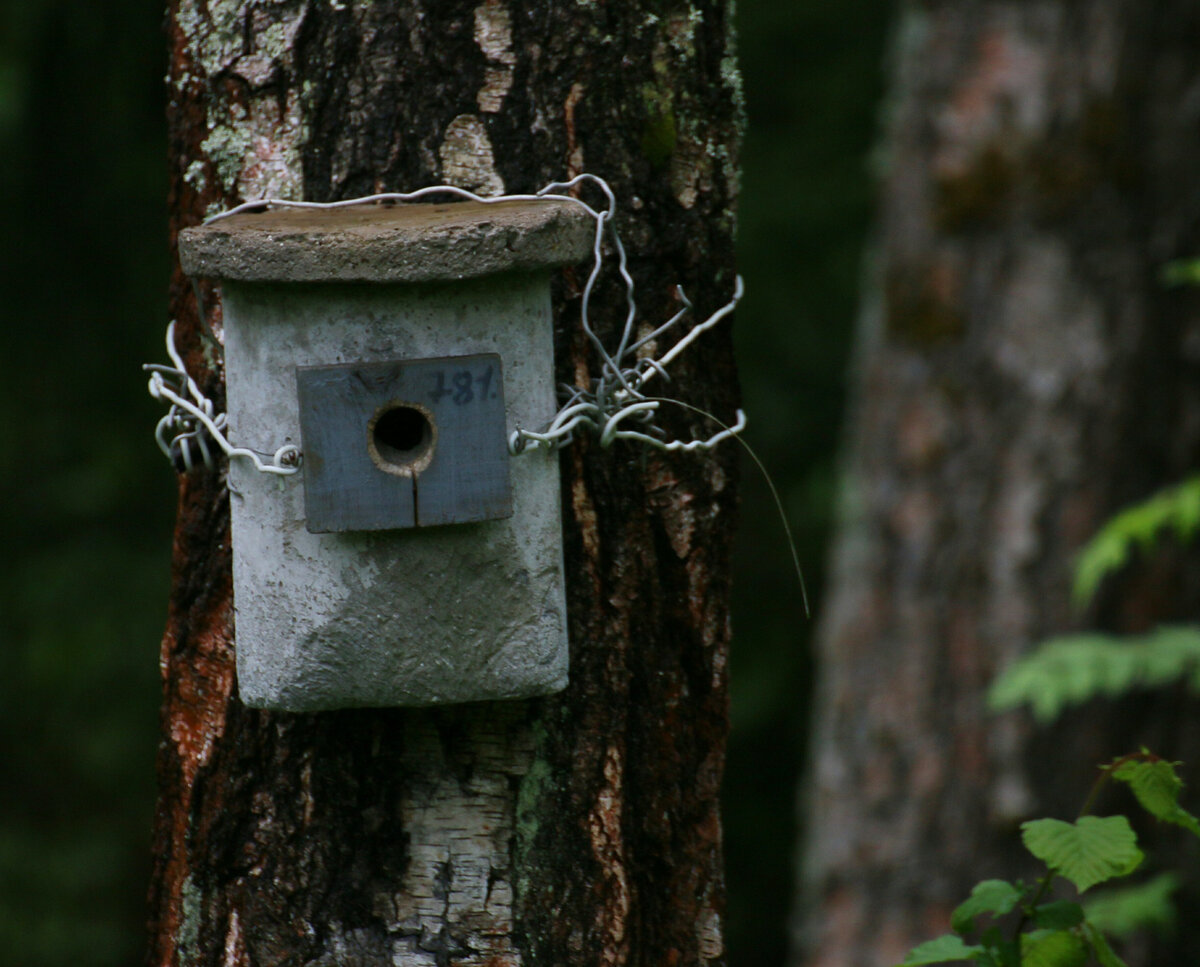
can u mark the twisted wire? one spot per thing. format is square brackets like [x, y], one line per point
[191, 427]
[614, 399]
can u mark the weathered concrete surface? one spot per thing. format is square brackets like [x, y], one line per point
[388, 243]
[415, 617]
[455, 613]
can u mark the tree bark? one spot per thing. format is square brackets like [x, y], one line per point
[1021, 374]
[579, 829]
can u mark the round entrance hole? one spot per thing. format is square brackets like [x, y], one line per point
[401, 437]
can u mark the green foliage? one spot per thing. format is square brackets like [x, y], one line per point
[1100, 947]
[996, 897]
[1053, 948]
[1058, 915]
[1086, 852]
[942, 950]
[1157, 786]
[1126, 910]
[1028, 930]
[1181, 272]
[1071, 669]
[1176, 510]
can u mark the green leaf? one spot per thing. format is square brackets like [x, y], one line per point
[998, 951]
[1157, 785]
[1053, 948]
[1066, 671]
[1099, 943]
[1086, 852]
[1071, 669]
[996, 897]
[942, 950]
[1007, 953]
[1181, 272]
[1059, 915]
[1104, 554]
[1175, 508]
[1129, 909]
[991, 937]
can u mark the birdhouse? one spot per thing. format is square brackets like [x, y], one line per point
[411, 560]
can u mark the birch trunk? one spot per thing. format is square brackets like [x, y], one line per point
[581, 829]
[1022, 373]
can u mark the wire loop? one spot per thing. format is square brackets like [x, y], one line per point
[615, 397]
[190, 428]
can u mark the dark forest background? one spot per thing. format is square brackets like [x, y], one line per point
[86, 500]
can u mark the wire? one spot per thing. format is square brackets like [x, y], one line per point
[604, 408]
[190, 425]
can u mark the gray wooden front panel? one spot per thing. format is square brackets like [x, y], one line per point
[467, 477]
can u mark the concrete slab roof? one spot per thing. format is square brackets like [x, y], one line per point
[414, 242]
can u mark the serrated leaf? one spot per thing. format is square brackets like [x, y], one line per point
[1157, 786]
[1062, 672]
[1072, 669]
[1168, 654]
[1104, 554]
[1059, 915]
[996, 897]
[1099, 944]
[1086, 852]
[1126, 910]
[1053, 948]
[942, 950]
[1175, 508]
[1155, 783]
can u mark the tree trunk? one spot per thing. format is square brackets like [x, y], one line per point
[1021, 374]
[577, 829]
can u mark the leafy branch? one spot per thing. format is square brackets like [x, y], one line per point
[1090, 851]
[1065, 671]
[1175, 510]
[1071, 669]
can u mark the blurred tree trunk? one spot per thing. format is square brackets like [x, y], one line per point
[581, 829]
[1021, 374]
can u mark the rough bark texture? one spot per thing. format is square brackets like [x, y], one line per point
[581, 829]
[1022, 373]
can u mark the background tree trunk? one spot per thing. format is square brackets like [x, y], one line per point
[572, 830]
[1022, 373]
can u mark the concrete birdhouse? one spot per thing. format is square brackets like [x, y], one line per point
[412, 560]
